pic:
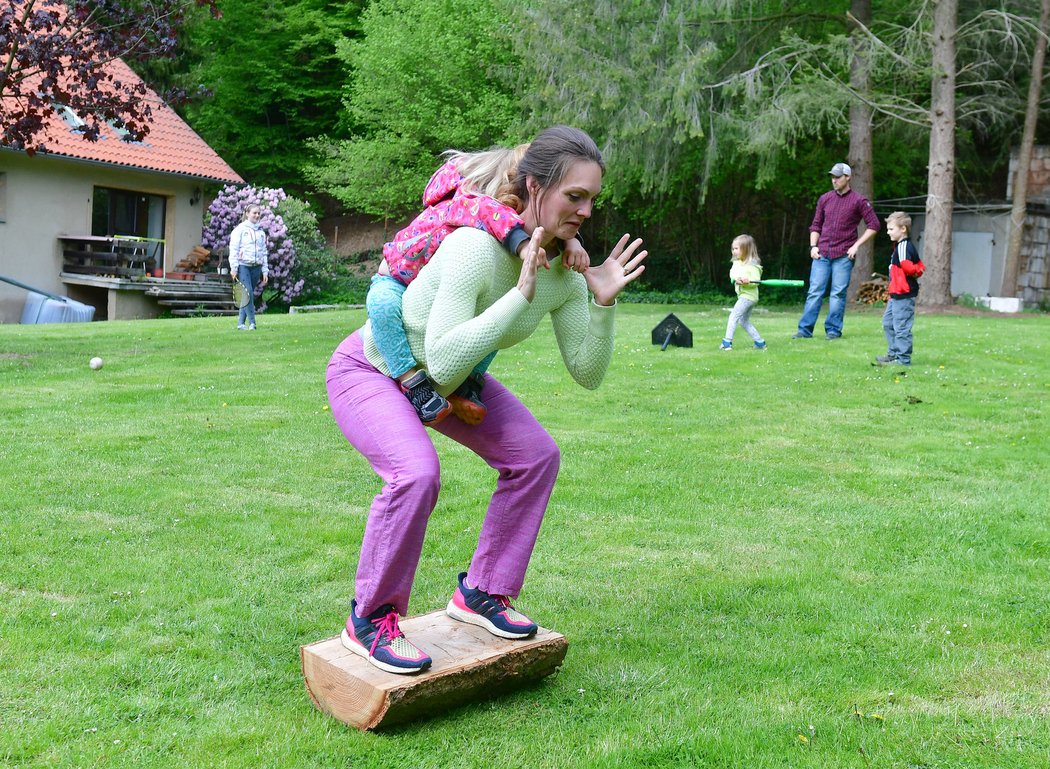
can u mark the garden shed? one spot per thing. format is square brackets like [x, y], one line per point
[980, 235]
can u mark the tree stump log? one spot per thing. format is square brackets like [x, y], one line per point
[469, 664]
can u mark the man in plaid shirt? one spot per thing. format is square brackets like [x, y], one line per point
[833, 247]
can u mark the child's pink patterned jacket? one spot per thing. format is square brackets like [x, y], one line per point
[449, 207]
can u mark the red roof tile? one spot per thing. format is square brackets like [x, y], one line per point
[170, 147]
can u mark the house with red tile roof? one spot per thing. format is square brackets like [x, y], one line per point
[144, 200]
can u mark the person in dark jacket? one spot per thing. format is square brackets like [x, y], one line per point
[905, 269]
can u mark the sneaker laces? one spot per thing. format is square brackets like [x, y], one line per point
[387, 626]
[420, 396]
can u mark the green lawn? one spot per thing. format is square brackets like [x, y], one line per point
[778, 559]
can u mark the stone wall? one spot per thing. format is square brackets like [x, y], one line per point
[1033, 280]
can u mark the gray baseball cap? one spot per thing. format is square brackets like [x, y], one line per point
[841, 169]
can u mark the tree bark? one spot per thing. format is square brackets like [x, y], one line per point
[937, 246]
[860, 139]
[1018, 211]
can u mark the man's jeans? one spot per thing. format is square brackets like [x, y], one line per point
[823, 271]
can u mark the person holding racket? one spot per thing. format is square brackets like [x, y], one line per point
[249, 263]
[745, 273]
[473, 298]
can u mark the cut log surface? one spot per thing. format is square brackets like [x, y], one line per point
[469, 664]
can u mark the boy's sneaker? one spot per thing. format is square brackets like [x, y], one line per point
[378, 639]
[430, 406]
[726, 346]
[760, 345]
[466, 400]
[492, 612]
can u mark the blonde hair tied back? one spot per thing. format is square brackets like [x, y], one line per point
[489, 172]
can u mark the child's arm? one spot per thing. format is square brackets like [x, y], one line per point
[912, 269]
[574, 256]
[482, 367]
[752, 273]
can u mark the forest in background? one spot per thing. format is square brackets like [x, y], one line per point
[716, 116]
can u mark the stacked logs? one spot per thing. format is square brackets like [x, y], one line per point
[874, 291]
[195, 261]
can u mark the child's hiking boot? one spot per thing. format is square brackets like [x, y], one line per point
[378, 639]
[430, 406]
[466, 400]
[726, 346]
[492, 612]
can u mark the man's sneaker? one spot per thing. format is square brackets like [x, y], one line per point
[885, 360]
[241, 327]
[833, 337]
[378, 639]
[726, 346]
[430, 406]
[466, 400]
[800, 335]
[492, 612]
[760, 345]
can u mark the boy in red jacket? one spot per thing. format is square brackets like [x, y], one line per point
[905, 269]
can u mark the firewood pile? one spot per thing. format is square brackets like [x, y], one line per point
[874, 290]
[196, 261]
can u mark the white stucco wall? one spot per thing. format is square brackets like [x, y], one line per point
[43, 198]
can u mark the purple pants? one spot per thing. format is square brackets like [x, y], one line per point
[380, 423]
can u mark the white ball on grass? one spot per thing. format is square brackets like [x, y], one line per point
[96, 363]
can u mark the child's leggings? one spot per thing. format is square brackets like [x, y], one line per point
[383, 304]
[742, 314]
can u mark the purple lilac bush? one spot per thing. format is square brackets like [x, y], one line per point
[227, 211]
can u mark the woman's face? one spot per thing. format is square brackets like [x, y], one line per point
[564, 206]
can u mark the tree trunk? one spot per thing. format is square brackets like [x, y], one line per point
[937, 246]
[1024, 160]
[860, 140]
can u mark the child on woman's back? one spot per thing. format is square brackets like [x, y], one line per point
[745, 274]
[469, 190]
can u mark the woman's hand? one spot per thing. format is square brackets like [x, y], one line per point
[531, 260]
[622, 267]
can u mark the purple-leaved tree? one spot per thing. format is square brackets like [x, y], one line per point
[54, 56]
[227, 211]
